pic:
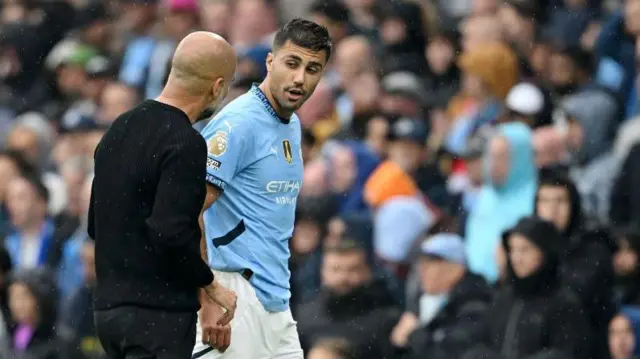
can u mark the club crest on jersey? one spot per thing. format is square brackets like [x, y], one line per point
[286, 147]
[218, 143]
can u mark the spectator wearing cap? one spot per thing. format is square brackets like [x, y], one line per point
[489, 73]
[507, 194]
[403, 94]
[523, 104]
[533, 314]
[407, 147]
[352, 303]
[448, 317]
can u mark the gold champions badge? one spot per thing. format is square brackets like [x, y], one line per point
[286, 147]
[218, 143]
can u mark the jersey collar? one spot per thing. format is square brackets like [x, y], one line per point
[255, 90]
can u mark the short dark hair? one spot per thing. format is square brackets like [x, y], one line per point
[304, 33]
[333, 10]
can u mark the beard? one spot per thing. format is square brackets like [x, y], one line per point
[205, 115]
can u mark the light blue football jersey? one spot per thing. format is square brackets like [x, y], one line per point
[256, 159]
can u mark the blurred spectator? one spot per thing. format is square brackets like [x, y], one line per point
[333, 15]
[253, 22]
[401, 215]
[403, 37]
[622, 339]
[507, 194]
[448, 318]
[478, 30]
[216, 15]
[533, 314]
[626, 263]
[33, 309]
[624, 210]
[403, 94]
[31, 244]
[351, 165]
[519, 20]
[523, 103]
[570, 21]
[351, 304]
[6, 323]
[115, 100]
[586, 265]
[12, 165]
[77, 316]
[442, 75]
[331, 349]
[488, 75]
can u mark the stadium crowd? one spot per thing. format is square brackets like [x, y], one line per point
[469, 169]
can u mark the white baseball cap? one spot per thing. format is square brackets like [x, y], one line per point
[525, 98]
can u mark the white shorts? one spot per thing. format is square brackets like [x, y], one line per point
[255, 333]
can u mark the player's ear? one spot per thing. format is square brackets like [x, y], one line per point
[217, 88]
[269, 61]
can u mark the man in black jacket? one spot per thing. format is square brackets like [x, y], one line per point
[448, 318]
[148, 191]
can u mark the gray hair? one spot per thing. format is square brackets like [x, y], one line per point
[44, 131]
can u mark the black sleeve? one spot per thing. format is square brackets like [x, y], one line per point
[91, 230]
[173, 224]
[568, 328]
[619, 211]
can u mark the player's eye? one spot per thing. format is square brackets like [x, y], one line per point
[292, 64]
[312, 70]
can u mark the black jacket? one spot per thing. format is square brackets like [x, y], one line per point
[535, 314]
[364, 318]
[460, 324]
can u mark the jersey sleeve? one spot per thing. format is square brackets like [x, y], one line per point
[227, 148]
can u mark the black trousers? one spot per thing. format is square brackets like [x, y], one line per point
[139, 333]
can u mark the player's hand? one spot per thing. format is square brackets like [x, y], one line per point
[225, 298]
[213, 334]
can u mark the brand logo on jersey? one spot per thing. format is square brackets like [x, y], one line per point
[283, 186]
[286, 147]
[218, 143]
[213, 164]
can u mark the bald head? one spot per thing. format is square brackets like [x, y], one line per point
[202, 59]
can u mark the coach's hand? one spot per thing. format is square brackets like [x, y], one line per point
[213, 334]
[225, 298]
